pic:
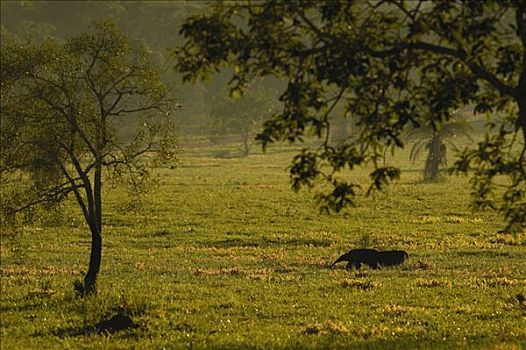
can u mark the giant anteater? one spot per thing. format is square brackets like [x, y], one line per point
[374, 258]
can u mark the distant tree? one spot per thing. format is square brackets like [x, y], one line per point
[241, 114]
[434, 141]
[60, 105]
[393, 65]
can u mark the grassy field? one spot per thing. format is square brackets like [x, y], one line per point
[222, 255]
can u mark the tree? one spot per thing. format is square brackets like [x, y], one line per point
[152, 22]
[62, 103]
[392, 65]
[434, 141]
[241, 114]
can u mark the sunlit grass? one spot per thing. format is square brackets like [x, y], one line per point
[223, 255]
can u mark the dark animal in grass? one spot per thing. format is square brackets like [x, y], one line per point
[373, 258]
[118, 322]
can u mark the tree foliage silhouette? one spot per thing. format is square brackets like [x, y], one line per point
[392, 65]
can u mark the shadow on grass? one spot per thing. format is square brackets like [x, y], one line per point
[482, 253]
[311, 242]
[232, 243]
[406, 342]
[80, 331]
[119, 323]
[162, 233]
[73, 331]
[332, 341]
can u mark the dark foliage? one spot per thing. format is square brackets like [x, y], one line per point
[390, 66]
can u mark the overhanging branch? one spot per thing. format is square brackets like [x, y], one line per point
[478, 70]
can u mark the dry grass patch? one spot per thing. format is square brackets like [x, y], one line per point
[432, 282]
[454, 219]
[475, 282]
[328, 327]
[503, 282]
[509, 239]
[421, 265]
[399, 310]
[256, 274]
[426, 219]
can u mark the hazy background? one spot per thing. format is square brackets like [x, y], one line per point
[156, 25]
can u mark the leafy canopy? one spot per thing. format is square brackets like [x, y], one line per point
[62, 103]
[392, 66]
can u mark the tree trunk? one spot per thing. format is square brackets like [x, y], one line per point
[520, 95]
[434, 158]
[245, 143]
[95, 260]
[95, 224]
[522, 124]
[96, 233]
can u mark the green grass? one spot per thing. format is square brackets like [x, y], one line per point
[223, 255]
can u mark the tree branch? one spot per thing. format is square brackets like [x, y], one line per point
[478, 70]
[69, 117]
[321, 35]
[47, 195]
[78, 196]
[156, 105]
